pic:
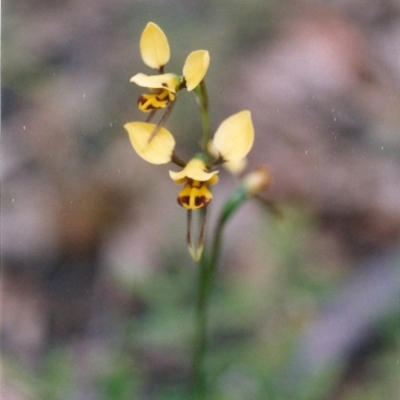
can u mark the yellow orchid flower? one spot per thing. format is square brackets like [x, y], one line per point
[232, 142]
[195, 194]
[155, 52]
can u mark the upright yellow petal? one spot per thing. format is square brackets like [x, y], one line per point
[196, 170]
[158, 150]
[195, 68]
[154, 46]
[163, 81]
[235, 136]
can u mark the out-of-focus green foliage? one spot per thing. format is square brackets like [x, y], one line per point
[252, 334]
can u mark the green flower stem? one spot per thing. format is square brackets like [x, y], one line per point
[201, 92]
[208, 265]
[238, 197]
[200, 340]
[207, 269]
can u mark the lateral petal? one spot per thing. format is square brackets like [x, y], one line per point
[158, 150]
[235, 136]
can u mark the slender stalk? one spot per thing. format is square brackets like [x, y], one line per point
[162, 121]
[176, 160]
[189, 229]
[215, 250]
[151, 115]
[205, 118]
[208, 265]
[200, 340]
[207, 269]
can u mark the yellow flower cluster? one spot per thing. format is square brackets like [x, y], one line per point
[231, 143]
[232, 140]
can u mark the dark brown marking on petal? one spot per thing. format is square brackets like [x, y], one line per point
[183, 200]
[183, 84]
[201, 201]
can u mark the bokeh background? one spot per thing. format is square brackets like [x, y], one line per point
[98, 289]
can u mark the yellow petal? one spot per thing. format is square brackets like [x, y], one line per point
[158, 150]
[163, 81]
[235, 167]
[235, 136]
[211, 149]
[195, 68]
[154, 46]
[196, 170]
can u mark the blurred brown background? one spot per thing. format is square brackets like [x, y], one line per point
[97, 286]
